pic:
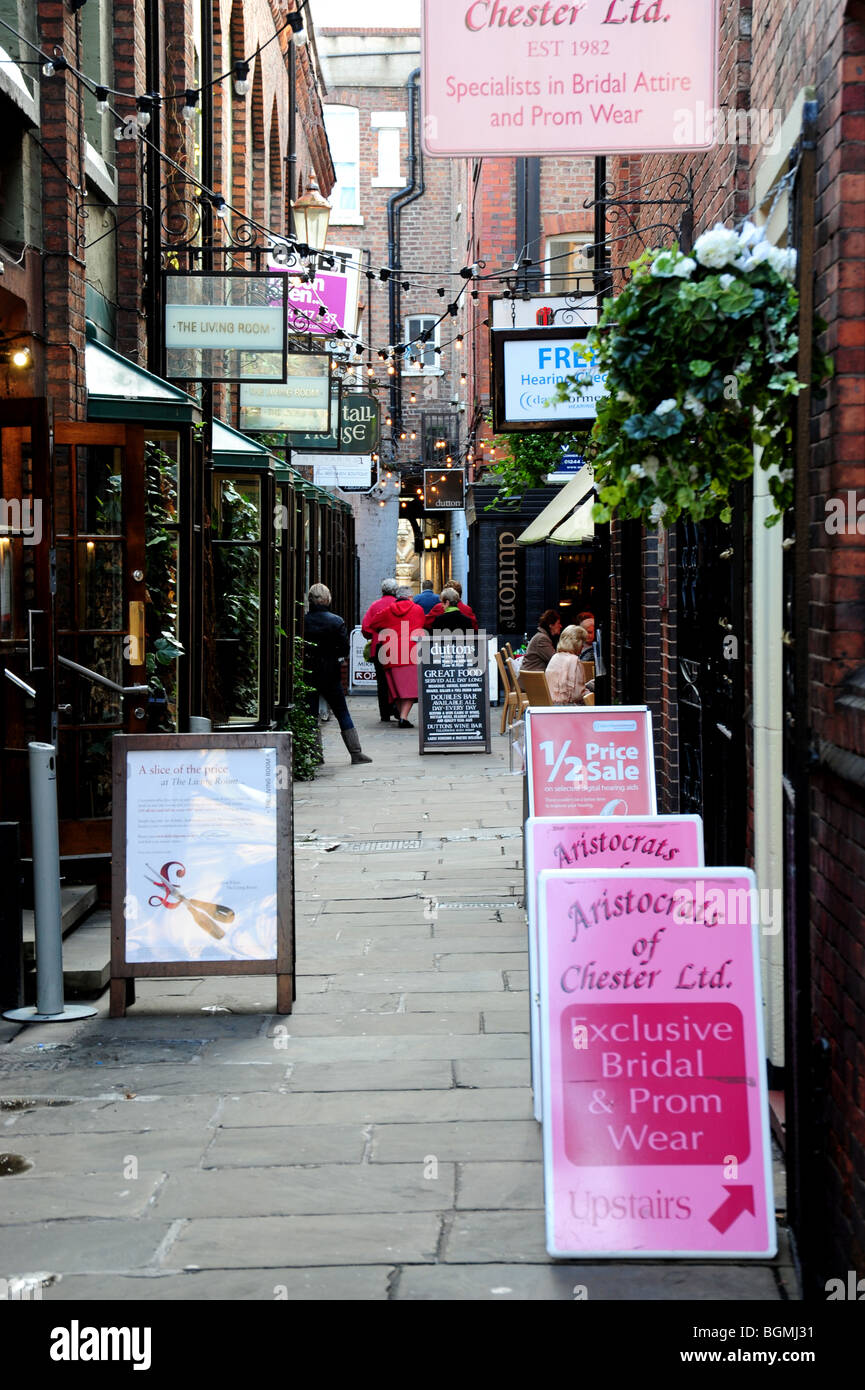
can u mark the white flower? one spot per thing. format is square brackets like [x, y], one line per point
[694, 404]
[638, 470]
[651, 464]
[666, 406]
[726, 281]
[671, 263]
[760, 253]
[624, 396]
[658, 511]
[782, 261]
[749, 235]
[718, 248]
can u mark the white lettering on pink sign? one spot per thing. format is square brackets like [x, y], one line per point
[602, 76]
[590, 760]
[656, 1136]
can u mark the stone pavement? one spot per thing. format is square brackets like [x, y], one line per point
[376, 1144]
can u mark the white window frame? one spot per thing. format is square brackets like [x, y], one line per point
[557, 246]
[345, 151]
[389, 124]
[432, 367]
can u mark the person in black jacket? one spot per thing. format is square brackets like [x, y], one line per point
[326, 640]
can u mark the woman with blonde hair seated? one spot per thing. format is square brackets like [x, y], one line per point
[566, 676]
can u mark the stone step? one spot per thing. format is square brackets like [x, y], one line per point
[87, 955]
[76, 901]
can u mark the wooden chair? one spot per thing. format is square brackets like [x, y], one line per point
[522, 698]
[508, 650]
[510, 701]
[535, 688]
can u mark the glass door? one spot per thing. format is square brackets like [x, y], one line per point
[100, 620]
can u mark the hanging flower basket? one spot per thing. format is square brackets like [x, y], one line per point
[700, 353]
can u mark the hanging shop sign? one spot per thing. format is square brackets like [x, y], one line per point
[527, 369]
[301, 400]
[228, 326]
[510, 582]
[555, 312]
[356, 433]
[328, 302]
[361, 671]
[584, 844]
[600, 77]
[655, 1106]
[590, 761]
[444, 490]
[338, 470]
[453, 693]
[202, 866]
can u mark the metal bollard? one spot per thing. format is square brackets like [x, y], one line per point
[198, 724]
[50, 1007]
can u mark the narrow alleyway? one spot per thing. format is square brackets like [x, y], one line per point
[379, 1142]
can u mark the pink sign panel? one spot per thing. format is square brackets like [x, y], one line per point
[656, 1130]
[590, 761]
[328, 293]
[596, 77]
[585, 844]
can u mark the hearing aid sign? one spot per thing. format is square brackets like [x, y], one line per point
[590, 761]
[656, 1135]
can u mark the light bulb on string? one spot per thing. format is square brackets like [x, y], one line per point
[101, 95]
[52, 66]
[241, 77]
[143, 112]
[190, 103]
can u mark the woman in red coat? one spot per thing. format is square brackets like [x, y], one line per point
[398, 627]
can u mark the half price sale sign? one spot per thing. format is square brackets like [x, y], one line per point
[656, 1133]
[590, 761]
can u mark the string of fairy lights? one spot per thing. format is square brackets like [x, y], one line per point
[405, 358]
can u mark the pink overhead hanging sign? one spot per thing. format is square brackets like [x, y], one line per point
[656, 1133]
[597, 77]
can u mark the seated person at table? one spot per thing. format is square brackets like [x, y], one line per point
[541, 648]
[565, 673]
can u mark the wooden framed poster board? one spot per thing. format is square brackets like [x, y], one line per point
[656, 1114]
[453, 693]
[202, 873]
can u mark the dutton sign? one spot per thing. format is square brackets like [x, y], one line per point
[600, 77]
[656, 1135]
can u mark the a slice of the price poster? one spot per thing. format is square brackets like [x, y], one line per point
[590, 761]
[656, 1123]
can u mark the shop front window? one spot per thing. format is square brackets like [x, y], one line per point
[237, 587]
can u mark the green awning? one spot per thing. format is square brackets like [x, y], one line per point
[118, 389]
[231, 449]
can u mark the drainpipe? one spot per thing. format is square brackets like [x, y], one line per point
[291, 156]
[395, 204]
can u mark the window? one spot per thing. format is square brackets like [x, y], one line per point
[388, 124]
[440, 437]
[97, 37]
[425, 357]
[569, 270]
[343, 132]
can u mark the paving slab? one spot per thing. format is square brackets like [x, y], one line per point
[141, 1113]
[94, 1246]
[33, 1196]
[500, 1187]
[372, 1076]
[481, 1074]
[511, 1140]
[337, 1284]
[319, 1190]
[368, 1107]
[155, 1151]
[377, 1025]
[426, 1047]
[280, 1241]
[285, 1145]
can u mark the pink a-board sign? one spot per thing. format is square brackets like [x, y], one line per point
[584, 843]
[656, 1121]
[598, 76]
[590, 760]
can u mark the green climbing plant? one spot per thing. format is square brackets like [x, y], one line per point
[300, 721]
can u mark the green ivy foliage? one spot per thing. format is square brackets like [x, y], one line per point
[700, 355]
[301, 722]
[529, 458]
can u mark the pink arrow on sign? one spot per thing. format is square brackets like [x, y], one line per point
[740, 1199]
